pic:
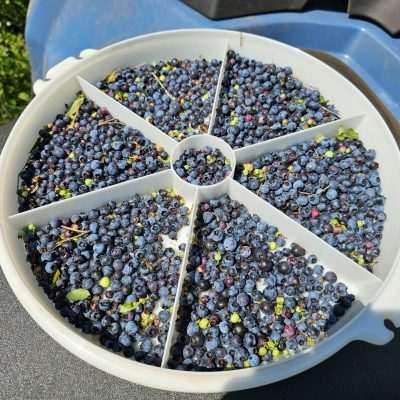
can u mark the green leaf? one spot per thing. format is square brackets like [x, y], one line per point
[131, 306]
[210, 159]
[346, 133]
[235, 318]
[352, 134]
[118, 95]
[74, 109]
[75, 106]
[31, 227]
[125, 308]
[206, 96]
[334, 222]
[164, 160]
[112, 77]
[329, 154]
[55, 278]
[64, 193]
[78, 294]
[323, 100]
[88, 182]
[319, 138]
[234, 121]
[24, 96]
[25, 231]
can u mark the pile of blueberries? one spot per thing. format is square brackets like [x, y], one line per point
[108, 272]
[264, 101]
[82, 150]
[249, 297]
[205, 166]
[176, 95]
[329, 185]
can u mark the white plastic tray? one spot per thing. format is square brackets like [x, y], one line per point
[376, 294]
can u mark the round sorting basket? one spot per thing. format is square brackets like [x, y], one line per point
[376, 298]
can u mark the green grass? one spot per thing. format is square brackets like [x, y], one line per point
[15, 83]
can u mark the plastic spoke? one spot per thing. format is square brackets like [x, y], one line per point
[362, 283]
[127, 116]
[96, 198]
[172, 326]
[329, 130]
[217, 93]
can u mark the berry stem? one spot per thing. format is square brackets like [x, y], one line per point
[109, 122]
[164, 88]
[68, 228]
[329, 111]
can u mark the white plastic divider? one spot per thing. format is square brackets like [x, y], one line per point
[200, 142]
[171, 337]
[362, 283]
[88, 201]
[127, 116]
[218, 92]
[329, 129]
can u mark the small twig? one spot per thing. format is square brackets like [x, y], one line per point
[61, 242]
[193, 129]
[200, 131]
[203, 128]
[68, 228]
[109, 122]
[161, 84]
[311, 87]
[323, 107]
[325, 189]
[330, 111]
[36, 187]
[306, 193]
[140, 65]
[316, 156]
[312, 194]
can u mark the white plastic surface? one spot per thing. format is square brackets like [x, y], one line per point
[60, 68]
[171, 332]
[250, 153]
[198, 142]
[218, 91]
[376, 294]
